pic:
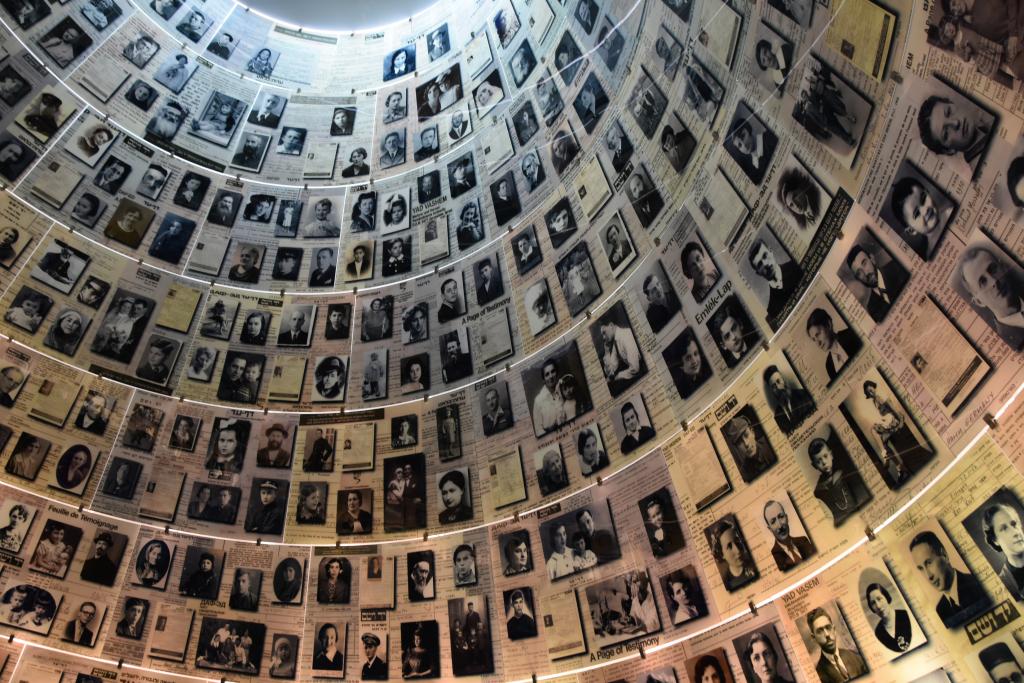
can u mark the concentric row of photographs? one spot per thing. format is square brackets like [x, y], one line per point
[849, 313]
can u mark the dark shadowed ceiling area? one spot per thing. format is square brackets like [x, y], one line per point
[340, 15]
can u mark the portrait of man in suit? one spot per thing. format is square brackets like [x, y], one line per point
[881, 277]
[748, 444]
[788, 550]
[790, 403]
[835, 664]
[961, 596]
[995, 285]
[79, 630]
[782, 277]
[295, 330]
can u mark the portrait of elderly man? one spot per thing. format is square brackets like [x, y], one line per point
[961, 596]
[1000, 664]
[788, 550]
[748, 444]
[995, 287]
[781, 273]
[790, 403]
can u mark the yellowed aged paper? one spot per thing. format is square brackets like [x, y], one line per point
[862, 31]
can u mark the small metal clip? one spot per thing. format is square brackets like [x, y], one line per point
[120, 662]
[515, 516]
[266, 409]
[181, 399]
[640, 649]
[282, 292]
[657, 241]
[259, 542]
[870, 533]
[81, 507]
[426, 397]
[534, 677]
[991, 421]
[508, 367]
[753, 607]
[765, 345]
[167, 528]
[600, 480]
[426, 535]
[337, 544]
[589, 314]
[306, 187]
[685, 425]
[10, 639]
[140, 260]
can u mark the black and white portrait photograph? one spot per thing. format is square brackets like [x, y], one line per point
[464, 565]
[622, 607]
[487, 280]
[995, 526]
[122, 478]
[13, 86]
[953, 127]
[421, 575]
[123, 325]
[250, 152]
[438, 43]
[568, 61]
[678, 143]
[330, 375]
[405, 496]
[247, 262]
[329, 647]
[622, 363]
[788, 399]
[918, 210]
[837, 482]
[297, 324]
[30, 608]
[886, 429]
[214, 503]
[284, 653]
[506, 23]
[659, 299]
[831, 110]
[762, 656]
[683, 595]
[291, 141]
[516, 552]
[172, 238]
[647, 104]
[230, 645]
[540, 307]
[46, 113]
[60, 266]
[505, 198]
[334, 581]
[376, 318]
[618, 245]
[552, 475]
[84, 624]
[470, 635]
[773, 56]
[259, 208]
[405, 431]
[166, 123]
[578, 540]
[800, 196]
[421, 650]
[661, 522]
[112, 175]
[143, 427]
[610, 43]
[312, 502]
[375, 375]
[578, 279]
[56, 548]
[219, 119]
[833, 342]
[496, 408]
[958, 594]
[17, 518]
[92, 143]
[160, 355]
[591, 101]
[731, 552]
[699, 268]
[288, 581]
[130, 223]
[556, 389]
[428, 187]
[449, 432]
[632, 424]
[461, 175]
[342, 121]
[401, 62]
[895, 625]
[748, 443]
[520, 615]
[392, 149]
[565, 148]
[245, 590]
[355, 511]
[992, 282]
[750, 143]
[394, 216]
[266, 510]
[87, 209]
[791, 544]
[643, 196]
[262, 62]
[153, 564]
[223, 45]
[734, 333]
[74, 468]
[830, 643]
[143, 95]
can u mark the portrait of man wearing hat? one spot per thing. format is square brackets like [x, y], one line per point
[999, 663]
[374, 668]
[100, 568]
[266, 507]
[748, 444]
[276, 453]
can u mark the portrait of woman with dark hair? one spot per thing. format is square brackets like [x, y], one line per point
[455, 496]
[330, 379]
[761, 659]
[74, 467]
[327, 655]
[515, 549]
[731, 553]
[893, 628]
[683, 595]
[312, 507]
[687, 363]
[800, 196]
[288, 581]
[255, 329]
[593, 457]
[840, 346]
